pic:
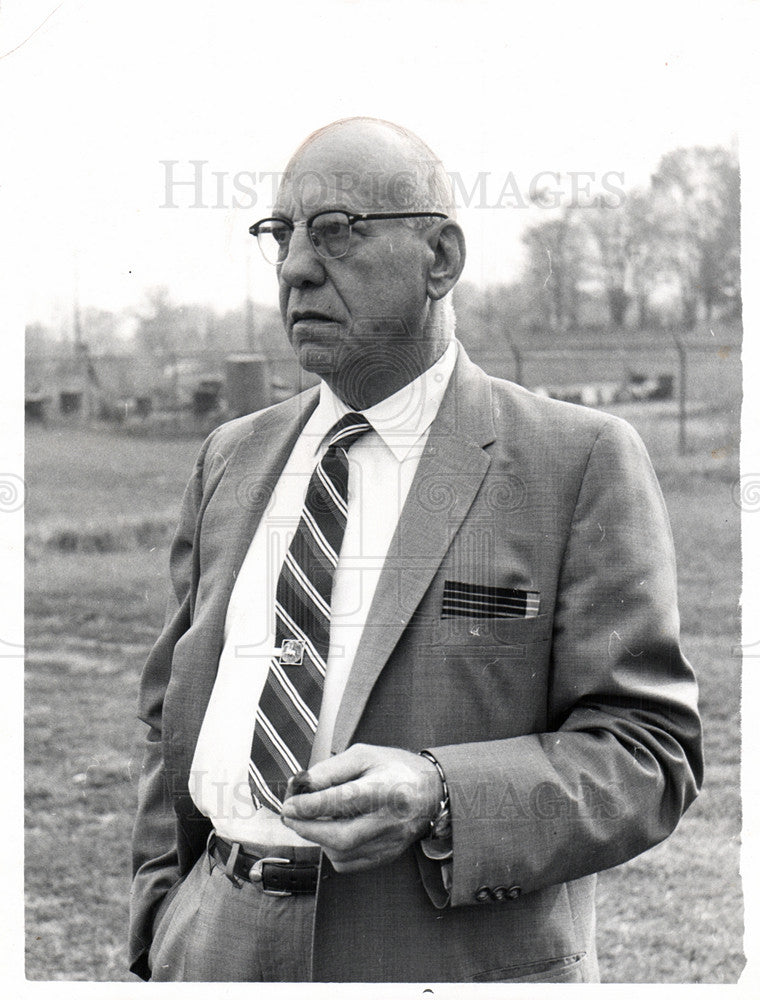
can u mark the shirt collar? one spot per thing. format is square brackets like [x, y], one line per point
[401, 419]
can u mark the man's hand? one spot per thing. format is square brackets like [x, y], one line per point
[368, 805]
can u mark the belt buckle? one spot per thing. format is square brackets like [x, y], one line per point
[256, 874]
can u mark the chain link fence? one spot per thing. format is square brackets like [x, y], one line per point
[685, 373]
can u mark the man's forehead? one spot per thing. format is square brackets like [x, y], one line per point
[307, 192]
[350, 172]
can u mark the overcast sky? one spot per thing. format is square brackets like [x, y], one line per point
[104, 94]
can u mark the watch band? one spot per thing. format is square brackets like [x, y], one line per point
[440, 824]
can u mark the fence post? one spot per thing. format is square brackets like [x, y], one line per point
[682, 358]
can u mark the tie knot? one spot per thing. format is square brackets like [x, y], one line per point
[348, 430]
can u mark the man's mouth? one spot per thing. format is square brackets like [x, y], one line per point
[310, 316]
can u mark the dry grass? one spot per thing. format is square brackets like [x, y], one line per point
[77, 476]
[672, 915]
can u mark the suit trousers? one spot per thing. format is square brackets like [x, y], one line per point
[215, 929]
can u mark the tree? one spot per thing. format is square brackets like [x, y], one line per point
[557, 258]
[610, 232]
[99, 330]
[697, 198]
[39, 340]
[159, 324]
[632, 255]
[646, 252]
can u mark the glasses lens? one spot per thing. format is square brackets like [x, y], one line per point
[274, 239]
[330, 233]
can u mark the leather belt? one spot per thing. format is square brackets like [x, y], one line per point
[276, 876]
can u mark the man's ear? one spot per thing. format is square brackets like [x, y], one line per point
[449, 249]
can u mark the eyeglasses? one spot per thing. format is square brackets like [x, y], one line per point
[329, 232]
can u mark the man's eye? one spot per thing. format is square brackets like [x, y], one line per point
[331, 230]
[281, 234]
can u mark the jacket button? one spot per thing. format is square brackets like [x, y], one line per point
[483, 894]
[501, 893]
[513, 891]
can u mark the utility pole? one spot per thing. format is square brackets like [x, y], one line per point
[682, 368]
[80, 351]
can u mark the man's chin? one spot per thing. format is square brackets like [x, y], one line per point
[318, 359]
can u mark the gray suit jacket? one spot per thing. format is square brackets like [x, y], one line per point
[570, 739]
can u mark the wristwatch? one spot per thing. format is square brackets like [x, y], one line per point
[440, 824]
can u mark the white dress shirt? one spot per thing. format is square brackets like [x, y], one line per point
[382, 464]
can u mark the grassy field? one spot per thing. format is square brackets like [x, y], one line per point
[95, 603]
[100, 489]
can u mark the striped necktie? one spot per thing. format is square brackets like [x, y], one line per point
[288, 710]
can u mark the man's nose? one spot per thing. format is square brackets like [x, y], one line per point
[302, 265]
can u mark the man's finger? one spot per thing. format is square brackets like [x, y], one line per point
[337, 770]
[353, 798]
[341, 835]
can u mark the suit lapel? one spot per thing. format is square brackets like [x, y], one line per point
[237, 502]
[245, 489]
[447, 479]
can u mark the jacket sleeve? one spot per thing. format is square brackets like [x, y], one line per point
[155, 862]
[623, 759]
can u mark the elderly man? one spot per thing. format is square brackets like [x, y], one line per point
[420, 677]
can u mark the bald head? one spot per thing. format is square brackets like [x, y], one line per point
[373, 165]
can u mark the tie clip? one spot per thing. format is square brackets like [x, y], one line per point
[291, 653]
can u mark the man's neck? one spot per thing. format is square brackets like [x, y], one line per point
[360, 394]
